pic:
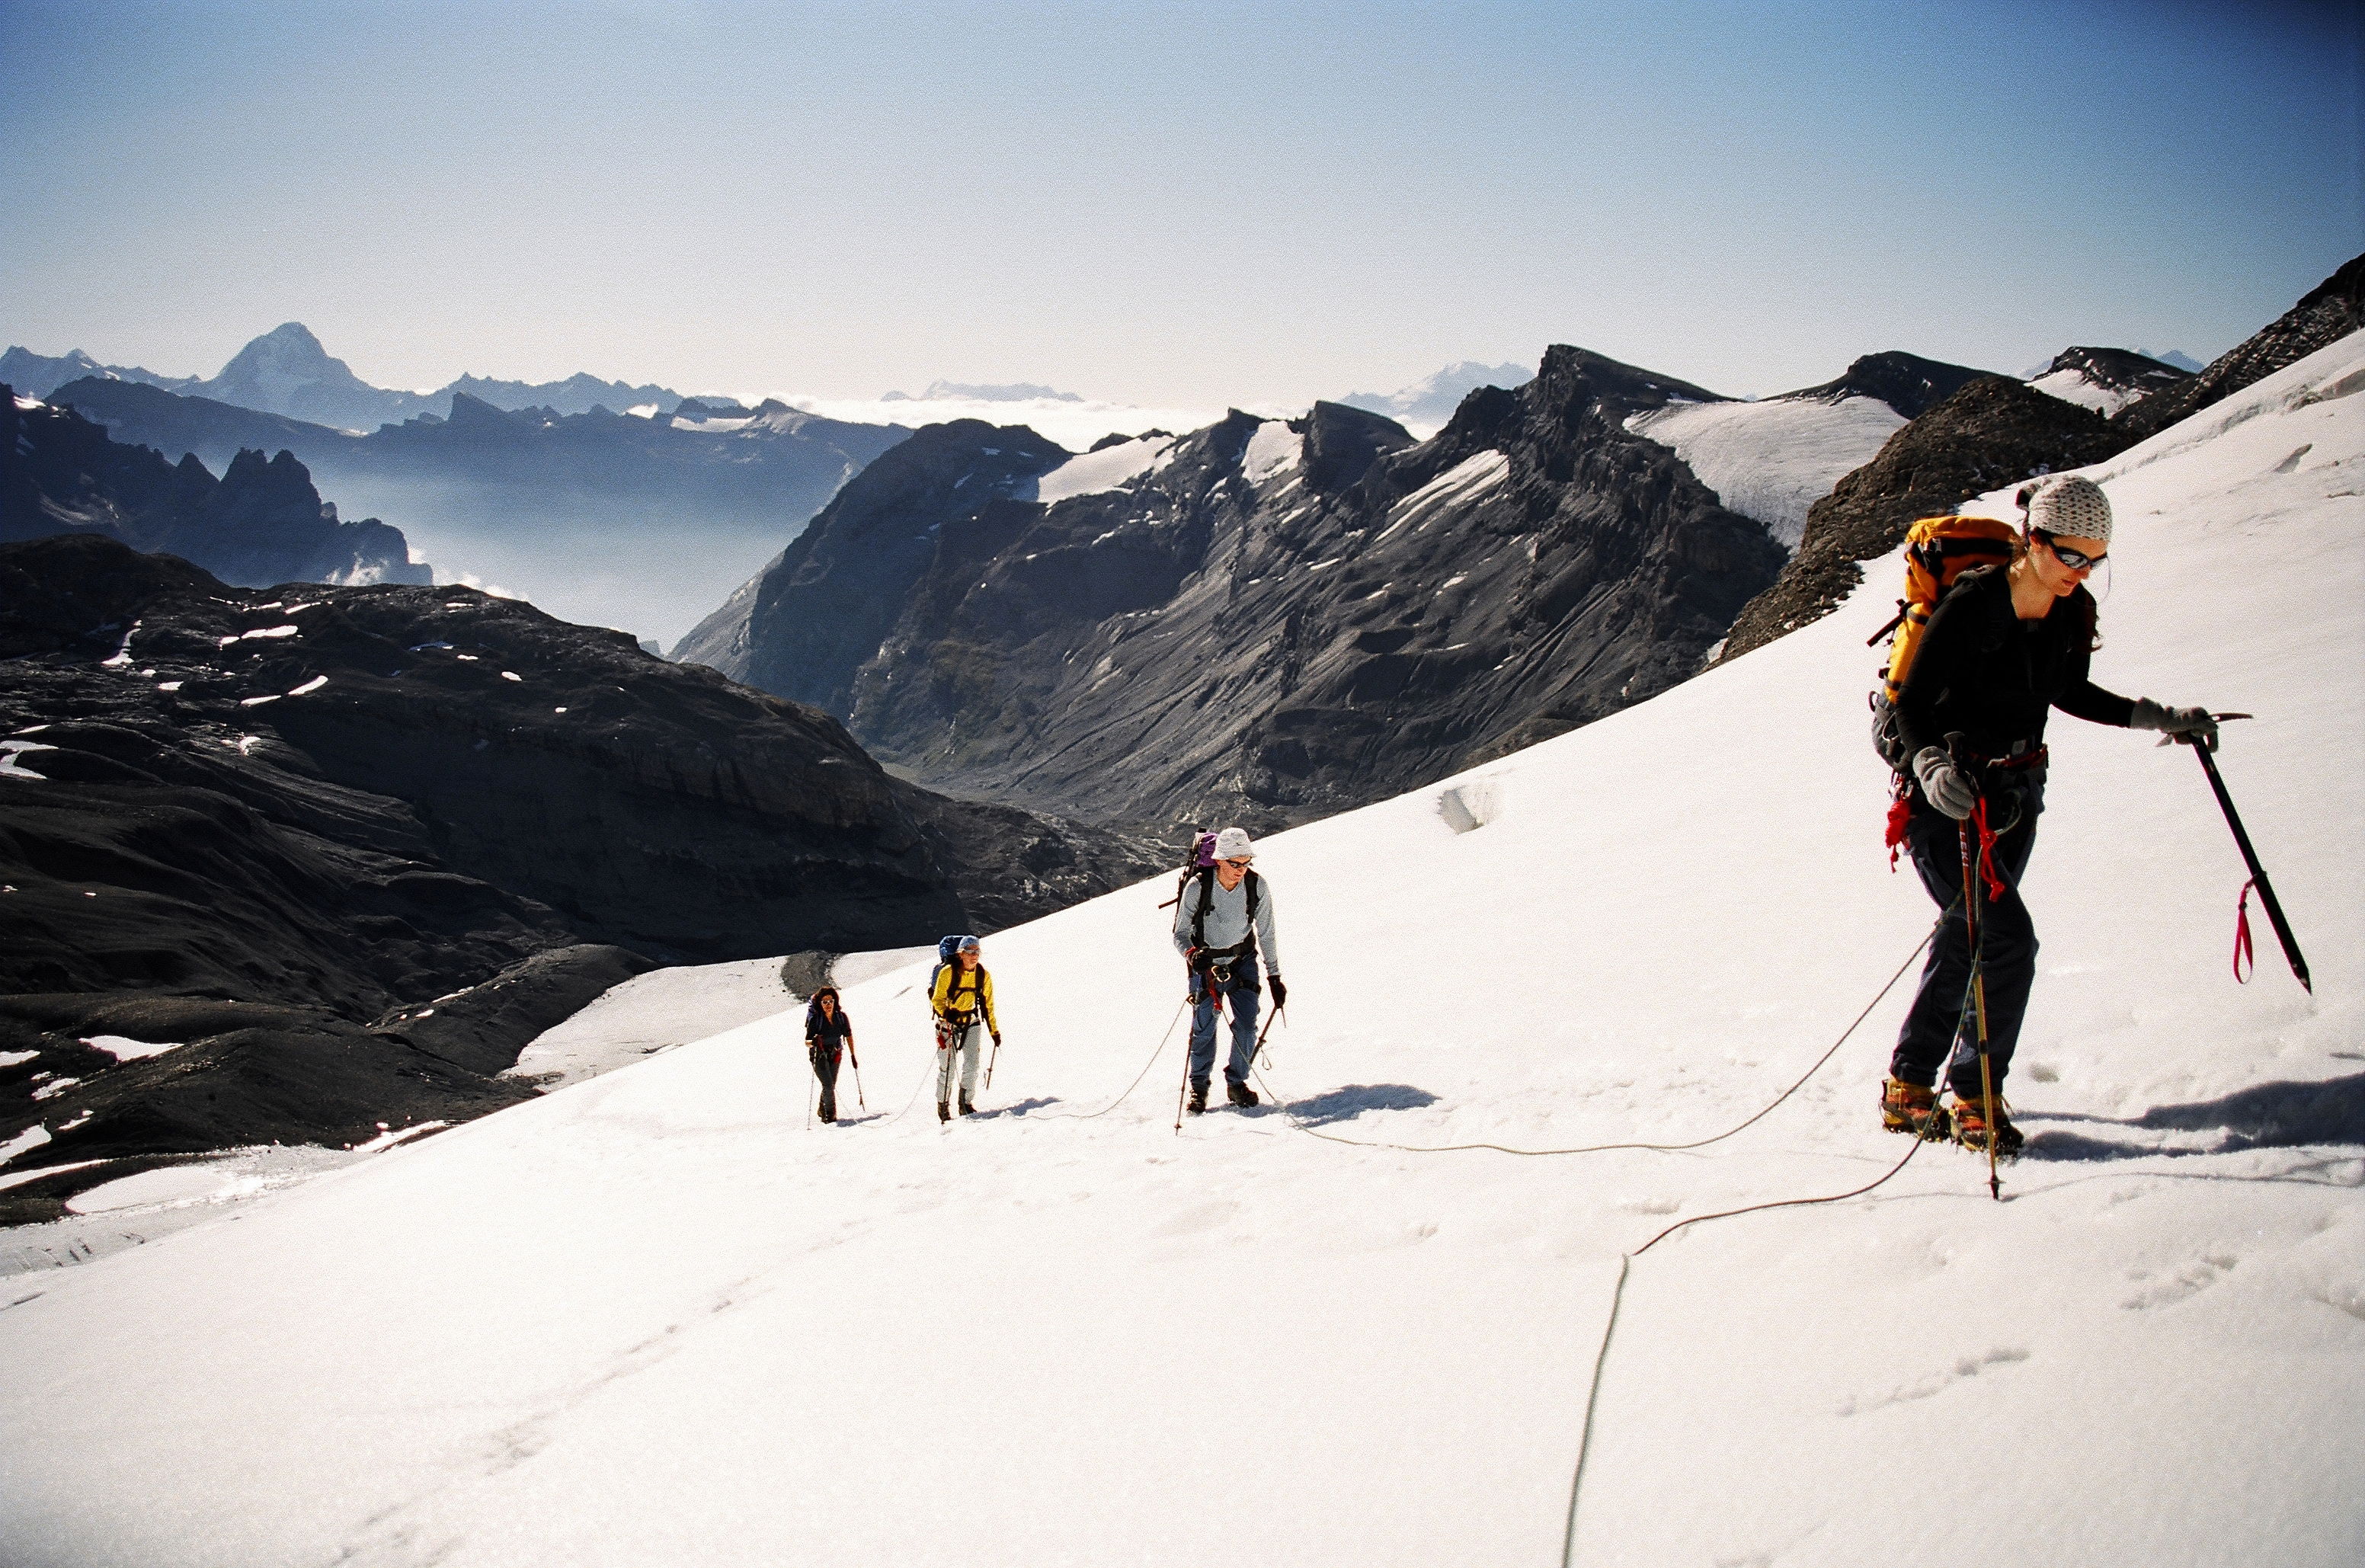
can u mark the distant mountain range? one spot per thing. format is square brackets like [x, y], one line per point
[1429, 403]
[1007, 392]
[286, 370]
[600, 517]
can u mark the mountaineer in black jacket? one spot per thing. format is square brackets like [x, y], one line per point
[2003, 647]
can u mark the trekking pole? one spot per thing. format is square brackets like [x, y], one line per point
[808, 1097]
[857, 1061]
[992, 1059]
[2250, 857]
[1980, 1004]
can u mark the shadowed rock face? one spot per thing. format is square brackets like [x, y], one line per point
[387, 795]
[1994, 431]
[260, 522]
[1266, 623]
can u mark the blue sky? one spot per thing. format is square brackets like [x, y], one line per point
[1167, 203]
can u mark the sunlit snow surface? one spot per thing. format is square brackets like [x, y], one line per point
[651, 1319]
[2076, 386]
[1773, 460]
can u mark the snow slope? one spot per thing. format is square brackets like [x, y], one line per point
[2077, 387]
[1771, 460]
[651, 1319]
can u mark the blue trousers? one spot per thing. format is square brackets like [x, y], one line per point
[1938, 1023]
[1244, 1000]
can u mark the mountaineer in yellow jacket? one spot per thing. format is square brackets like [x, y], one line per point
[963, 1002]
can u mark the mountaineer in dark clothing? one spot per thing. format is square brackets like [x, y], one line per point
[828, 1031]
[2004, 646]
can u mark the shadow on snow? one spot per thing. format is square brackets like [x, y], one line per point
[1349, 1101]
[2266, 1115]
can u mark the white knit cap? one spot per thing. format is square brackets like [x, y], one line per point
[1232, 844]
[2071, 507]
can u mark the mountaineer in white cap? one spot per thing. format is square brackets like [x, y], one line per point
[1226, 910]
[2003, 647]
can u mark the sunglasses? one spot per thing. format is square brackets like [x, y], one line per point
[1237, 865]
[2076, 560]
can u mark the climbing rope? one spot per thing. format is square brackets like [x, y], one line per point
[1846, 1033]
[1154, 1055]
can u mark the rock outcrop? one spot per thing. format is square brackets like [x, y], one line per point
[2327, 313]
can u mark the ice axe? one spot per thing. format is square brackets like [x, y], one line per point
[2249, 856]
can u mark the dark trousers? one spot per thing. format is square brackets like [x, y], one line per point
[1243, 997]
[824, 1055]
[1939, 1022]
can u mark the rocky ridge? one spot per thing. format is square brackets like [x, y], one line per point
[260, 522]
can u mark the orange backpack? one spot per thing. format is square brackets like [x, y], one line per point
[1938, 550]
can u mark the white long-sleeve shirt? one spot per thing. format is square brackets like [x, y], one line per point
[1227, 918]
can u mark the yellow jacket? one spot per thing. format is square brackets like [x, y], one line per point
[974, 994]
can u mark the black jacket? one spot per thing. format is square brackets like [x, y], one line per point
[826, 1030]
[1983, 671]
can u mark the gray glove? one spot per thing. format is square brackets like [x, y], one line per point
[1943, 785]
[2174, 722]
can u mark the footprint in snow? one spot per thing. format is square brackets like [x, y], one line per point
[1965, 1368]
[2187, 1283]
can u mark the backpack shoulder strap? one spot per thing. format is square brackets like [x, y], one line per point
[1199, 915]
[1252, 881]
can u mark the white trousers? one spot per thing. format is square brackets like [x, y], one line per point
[968, 1044]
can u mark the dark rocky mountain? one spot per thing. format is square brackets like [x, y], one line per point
[282, 830]
[260, 522]
[2325, 314]
[38, 375]
[1261, 621]
[1994, 431]
[641, 523]
[1907, 383]
[1997, 430]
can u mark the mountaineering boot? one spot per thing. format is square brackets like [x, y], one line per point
[1239, 1094]
[1971, 1128]
[968, 1106]
[1198, 1099]
[1911, 1108]
[944, 1112]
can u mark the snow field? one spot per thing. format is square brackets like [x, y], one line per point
[1773, 460]
[651, 1318]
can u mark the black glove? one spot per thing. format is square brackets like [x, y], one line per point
[2177, 722]
[1943, 785]
[997, 1041]
[1280, 992]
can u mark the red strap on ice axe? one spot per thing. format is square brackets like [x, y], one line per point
[2243, 962]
